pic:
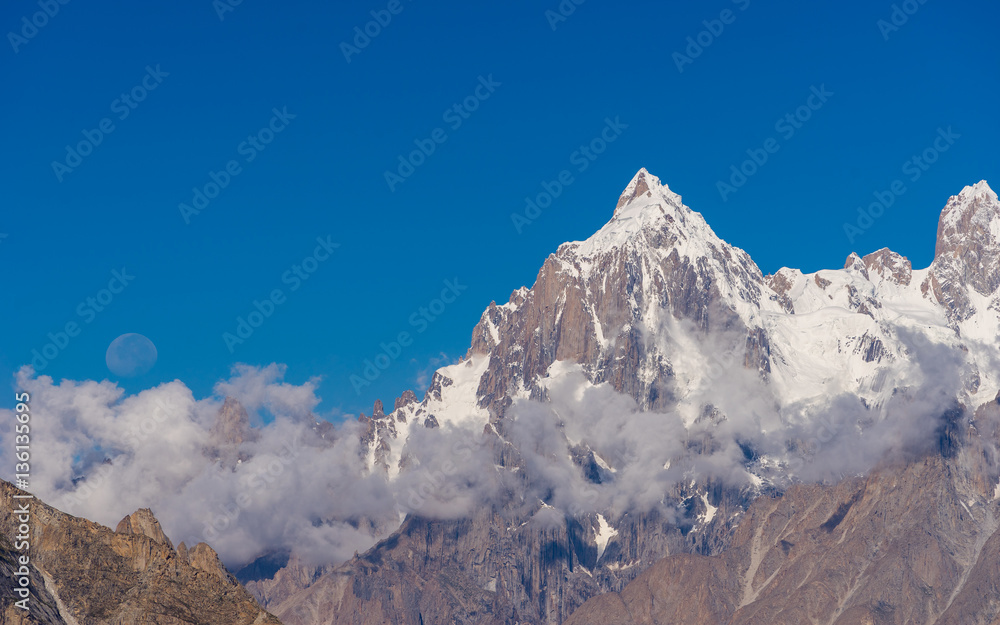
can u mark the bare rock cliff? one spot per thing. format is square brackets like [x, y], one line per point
[83, 573]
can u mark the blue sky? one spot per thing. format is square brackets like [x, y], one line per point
[308, 136]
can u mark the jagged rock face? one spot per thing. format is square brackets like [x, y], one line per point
[84, 573]
[229, 432]
[232, 425]
[377, 434]
[283, 578]
[487, 569]
[967, 255]
[143, 523]
[407, 398]
[780, 284]
[911, 543]
[888, 265]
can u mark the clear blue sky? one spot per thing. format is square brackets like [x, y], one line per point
[323, 173]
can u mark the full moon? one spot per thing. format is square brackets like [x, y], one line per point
[131, 355]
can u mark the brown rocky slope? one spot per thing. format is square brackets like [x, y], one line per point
[84, 573]
[914, 542]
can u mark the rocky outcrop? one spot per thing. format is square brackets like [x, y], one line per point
[780, 284]
[889, 265]
[967, 254]
[84, 573]
[229, 433]
[376, 435]
[143, 523]
[274, 578]
[232, 425]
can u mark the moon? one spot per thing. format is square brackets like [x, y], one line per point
[131, 355]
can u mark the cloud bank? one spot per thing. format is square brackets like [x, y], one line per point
[297, 485]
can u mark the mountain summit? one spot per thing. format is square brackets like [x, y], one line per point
[644, 184]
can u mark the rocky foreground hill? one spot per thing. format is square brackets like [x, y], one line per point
[83, 573]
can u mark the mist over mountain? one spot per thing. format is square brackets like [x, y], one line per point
[636, 401]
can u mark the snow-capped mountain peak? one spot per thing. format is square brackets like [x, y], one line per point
[654, 302]
[654, 220]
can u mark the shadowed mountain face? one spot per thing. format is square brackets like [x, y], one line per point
[913, 543]
[689, 399]
[84, 573]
